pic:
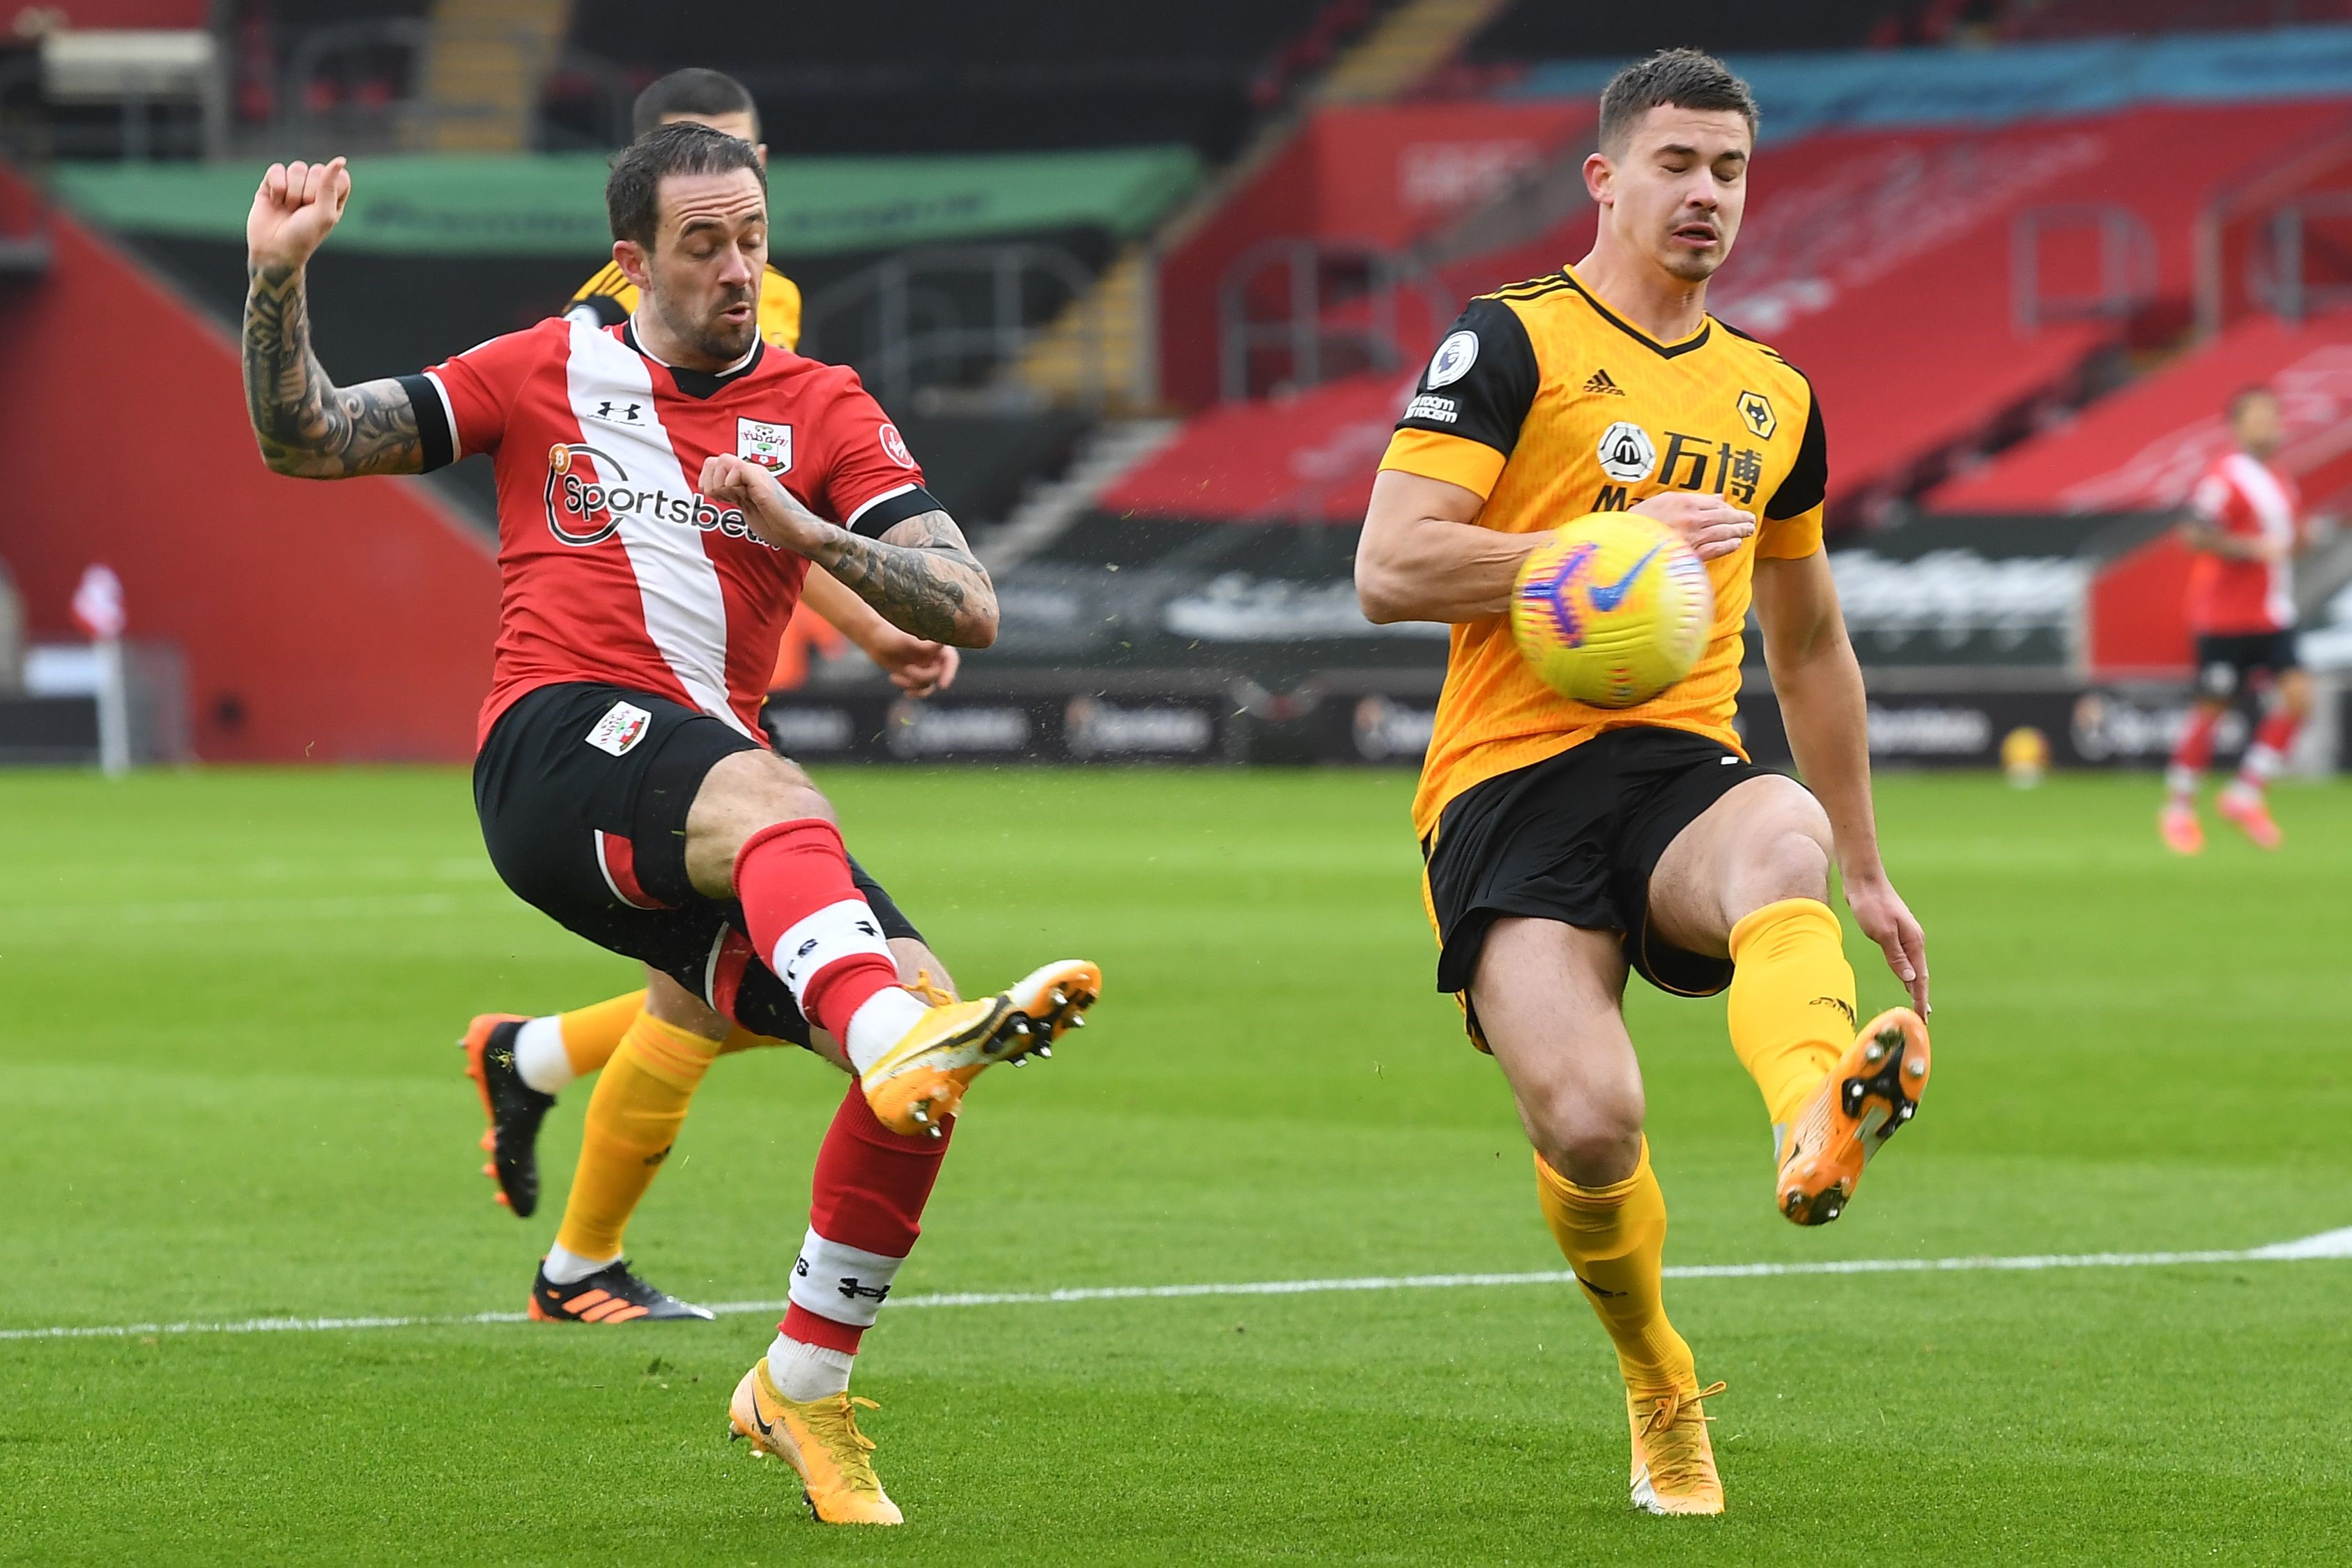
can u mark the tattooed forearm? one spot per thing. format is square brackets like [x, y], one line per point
[307, 426]
[921, 576]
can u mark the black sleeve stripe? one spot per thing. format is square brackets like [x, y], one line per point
[1488, 399]
[432, 433]
[879, 517]
[1809, 481]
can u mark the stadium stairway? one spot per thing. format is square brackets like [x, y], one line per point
[484, 62]
[1106, 342]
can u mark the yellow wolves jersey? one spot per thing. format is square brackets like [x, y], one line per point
[1550, 406]
[609, 297]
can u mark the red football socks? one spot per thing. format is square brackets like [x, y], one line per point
[809, 921]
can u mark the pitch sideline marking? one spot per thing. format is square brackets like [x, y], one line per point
[2326, 1243]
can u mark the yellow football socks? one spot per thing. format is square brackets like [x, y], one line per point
[591, 1033]
[1791, 1005]
[1615, 1240]
[632, 1117]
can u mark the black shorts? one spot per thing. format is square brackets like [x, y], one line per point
[1574, 838]
[583, 790]
[2226, 665]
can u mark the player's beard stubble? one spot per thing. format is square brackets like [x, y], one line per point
[711, 334]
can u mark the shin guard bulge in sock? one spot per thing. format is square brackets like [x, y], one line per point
[866, 1209]
[1792, 1006]
[1615, 1237]
[809, 922]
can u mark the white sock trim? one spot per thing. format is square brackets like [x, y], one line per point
[2180, 781]
[563, 1268]
[880, 1021]
[838, 930]
[804, 1372]
[540, 1056]
[2261, 763]
[840, 1282]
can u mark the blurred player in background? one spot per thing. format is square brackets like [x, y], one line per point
[520, 1064]
[623, 787]
[1565, 844]
[2245, 522]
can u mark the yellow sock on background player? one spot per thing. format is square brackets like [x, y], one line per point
[633, 1117]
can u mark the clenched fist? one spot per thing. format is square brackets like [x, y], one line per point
[292, 212]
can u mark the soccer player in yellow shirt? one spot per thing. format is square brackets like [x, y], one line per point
[1566, 845]
[519, 1064]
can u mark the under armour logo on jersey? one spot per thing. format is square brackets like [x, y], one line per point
[613, 413]
[1601, 384]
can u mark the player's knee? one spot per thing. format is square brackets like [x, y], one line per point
[1592, 1137]
[1794, 863]
[743, 796]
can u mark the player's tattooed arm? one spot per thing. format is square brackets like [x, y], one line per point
[920, 575]
[307, 426]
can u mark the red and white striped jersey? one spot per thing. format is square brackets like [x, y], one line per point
[2244, 497]
[613, 568]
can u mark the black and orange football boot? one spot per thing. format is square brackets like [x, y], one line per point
[614, 1294]
[514, 1109]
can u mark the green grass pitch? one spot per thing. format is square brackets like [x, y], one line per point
[228, 1090]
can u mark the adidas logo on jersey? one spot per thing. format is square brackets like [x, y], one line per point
[1601, 384]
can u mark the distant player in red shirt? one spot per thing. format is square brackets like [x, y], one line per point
[664, 484]
[2245, 522]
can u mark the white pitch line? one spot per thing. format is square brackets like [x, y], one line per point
[2326, 1243]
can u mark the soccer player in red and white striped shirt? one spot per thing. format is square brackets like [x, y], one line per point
[664, 484]
[2245, 522]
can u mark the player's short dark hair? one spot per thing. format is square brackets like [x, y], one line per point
[1685, 79]
[695, 90]
[633, 191]
[2245, 395]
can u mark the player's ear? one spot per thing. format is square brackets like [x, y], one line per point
[635, 262]
[761, 149]
[1597, 177]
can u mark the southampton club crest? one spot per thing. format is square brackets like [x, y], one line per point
[770, 446]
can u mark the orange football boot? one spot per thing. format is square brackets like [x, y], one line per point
[919, 1082]
[821, 1440]
[1674, 1461]
[513, 1107]
[1863, 1100]
[2183, 834]
[2247, 808]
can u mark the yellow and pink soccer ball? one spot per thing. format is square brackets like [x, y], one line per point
[1611, 609]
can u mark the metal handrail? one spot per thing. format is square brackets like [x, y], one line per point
[2290, 294]
[904, 311]
[1301, 327]
[2128, 266]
